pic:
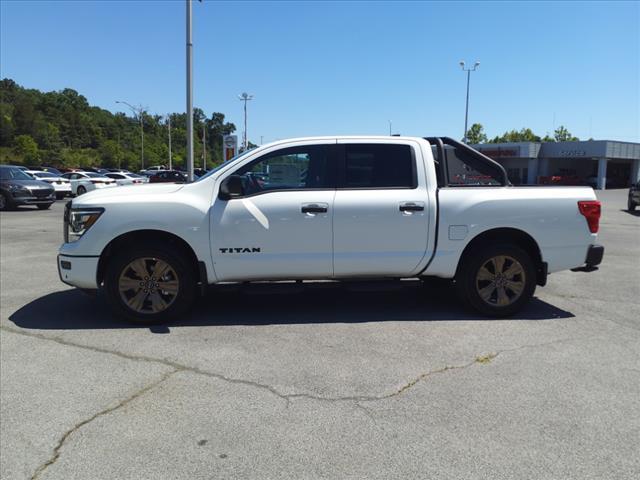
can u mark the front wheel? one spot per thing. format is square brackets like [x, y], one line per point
[5, 202]
[630, 205]
[497, 280]
[81, 190]
[44, 206]
[150, 285]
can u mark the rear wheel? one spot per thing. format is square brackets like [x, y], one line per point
[81, 190]
[150, 284]
[497, 281]
[44, 206]
[630, 205]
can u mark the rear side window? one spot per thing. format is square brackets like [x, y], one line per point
[379, 166]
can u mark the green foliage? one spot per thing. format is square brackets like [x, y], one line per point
[26, 147]
[62, 129]
[561, 134]
[522, 135]
[476, 134]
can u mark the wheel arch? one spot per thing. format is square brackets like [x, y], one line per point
[512, 236]
[148, 236]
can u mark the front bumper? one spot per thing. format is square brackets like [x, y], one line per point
[78, 271]
[33, 200]
[594, 258]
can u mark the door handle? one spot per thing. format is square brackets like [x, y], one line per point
[314, 208]
[412, 207]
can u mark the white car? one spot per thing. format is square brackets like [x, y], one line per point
[126, 178]
[335, 208]
[83, 182]
[61, 185]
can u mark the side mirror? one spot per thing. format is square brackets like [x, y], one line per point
[231, 187]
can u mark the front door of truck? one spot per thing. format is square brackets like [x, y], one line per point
[280, 226]
[381, 210]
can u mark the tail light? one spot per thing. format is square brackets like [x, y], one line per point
[137, 181]
[591, 211]
[96, 181]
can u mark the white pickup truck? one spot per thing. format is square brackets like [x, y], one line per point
[332, 208]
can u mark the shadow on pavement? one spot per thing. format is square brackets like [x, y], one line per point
[635, 213]
[266, 304]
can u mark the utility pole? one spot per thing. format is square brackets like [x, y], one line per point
[169, 125]
[139, 112]
[466, 114]
[189, 94]
[245, 97]
[204, 148]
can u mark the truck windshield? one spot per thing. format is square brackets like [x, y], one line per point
[224, 164]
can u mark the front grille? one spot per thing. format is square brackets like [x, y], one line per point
[41, 193]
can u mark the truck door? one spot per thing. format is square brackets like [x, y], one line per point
[280, 227]
[380, 219]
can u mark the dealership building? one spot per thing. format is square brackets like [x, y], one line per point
[600, 163]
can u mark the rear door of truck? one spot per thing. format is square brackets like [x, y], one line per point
[381, 208]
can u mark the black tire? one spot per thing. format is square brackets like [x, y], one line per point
[44, 206]
[180, 265]
[59, 196]
[469, 282]
[80, 190]
[6, 203]
[630, 205]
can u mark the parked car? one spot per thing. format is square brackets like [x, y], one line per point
[331, 208]
[62, 186]
[172, 176]
[127, 178]
[83, 182]
[18, 188]
[55, 171]
[634, 196]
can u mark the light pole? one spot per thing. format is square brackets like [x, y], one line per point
[169, 126]
[139, 112]
[390, 123]
[245, 97]
[466, 113]
[189, 94]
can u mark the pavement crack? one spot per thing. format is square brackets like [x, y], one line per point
[56, 451]
[287, 397]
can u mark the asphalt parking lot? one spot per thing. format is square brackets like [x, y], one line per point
[320, 382]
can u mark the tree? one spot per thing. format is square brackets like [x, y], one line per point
[514, 136]
[476, 134]
[27, 148]
[561, 134]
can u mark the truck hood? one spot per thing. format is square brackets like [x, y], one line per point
[122, 193]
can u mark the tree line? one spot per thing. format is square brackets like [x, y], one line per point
[60, 128]
[476, 135]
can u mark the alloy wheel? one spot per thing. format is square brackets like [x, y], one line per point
[500, 281]
[148, 285]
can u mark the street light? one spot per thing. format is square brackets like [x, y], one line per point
[245, 97]
[139, 112]
[466, 114]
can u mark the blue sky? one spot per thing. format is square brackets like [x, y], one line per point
[343, 67]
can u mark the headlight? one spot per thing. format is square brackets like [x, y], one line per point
[78, 221]
[19, 190]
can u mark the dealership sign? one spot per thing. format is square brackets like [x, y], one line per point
[229, 146]
[500, 152]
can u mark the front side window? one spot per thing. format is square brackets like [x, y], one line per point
[294, 168]
[379, 166]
